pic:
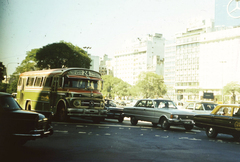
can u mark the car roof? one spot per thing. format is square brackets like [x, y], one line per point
[202, 102]
[160, 99]
[4, 94]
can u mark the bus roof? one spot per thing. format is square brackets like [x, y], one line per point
[59, 71]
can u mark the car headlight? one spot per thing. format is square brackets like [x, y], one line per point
[174, 116]
[77, 103]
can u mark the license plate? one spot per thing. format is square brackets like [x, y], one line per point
[187, 122]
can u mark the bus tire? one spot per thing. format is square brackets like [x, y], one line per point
[61, 113]
[29, 106]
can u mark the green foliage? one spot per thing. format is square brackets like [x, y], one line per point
[3, 87]
[58, 55]
[2, 70]
[114, 86]
[12, 87]
[151, 85]
[28, 64]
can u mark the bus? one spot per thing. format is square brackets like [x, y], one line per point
[66, 92]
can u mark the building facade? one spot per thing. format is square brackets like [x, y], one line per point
[144, 55]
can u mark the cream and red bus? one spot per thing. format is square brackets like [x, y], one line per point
[66, 92]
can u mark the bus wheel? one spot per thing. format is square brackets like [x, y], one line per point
[28, 107]
[61, 114]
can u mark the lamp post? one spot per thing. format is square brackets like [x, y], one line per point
[222, 62]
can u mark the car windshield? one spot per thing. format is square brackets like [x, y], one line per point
[209, 106]
[7, 102]
[164, 104]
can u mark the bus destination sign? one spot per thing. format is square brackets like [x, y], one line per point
[86, 73]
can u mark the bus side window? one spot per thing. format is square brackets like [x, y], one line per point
[38, 82]
[30, 81]
[48, 82]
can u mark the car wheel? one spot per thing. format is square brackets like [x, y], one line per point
[154, 124]
[164, 124]
[134, 121]
[120, 119]
[188, 127]
[211, 132]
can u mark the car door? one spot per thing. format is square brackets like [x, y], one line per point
[139, 110]
[223, 122]
[147, 112]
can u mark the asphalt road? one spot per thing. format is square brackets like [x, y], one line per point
[110, 141]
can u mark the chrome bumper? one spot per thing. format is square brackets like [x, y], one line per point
[36, 133]
[87, 112]
[181, 121]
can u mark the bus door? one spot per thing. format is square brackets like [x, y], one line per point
[53, 93]
[21, 99]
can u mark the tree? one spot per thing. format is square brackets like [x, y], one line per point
[2, 71]
[151, 85]
[232, 88]
[114, 86]
[58, 55]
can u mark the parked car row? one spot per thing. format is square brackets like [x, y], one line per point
[224, 118]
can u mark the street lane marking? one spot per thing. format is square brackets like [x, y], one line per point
[79, 126]
[191, 139]
[59, 131]
[107, 134]
[82, 132]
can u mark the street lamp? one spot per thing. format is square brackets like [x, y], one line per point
[222, 62]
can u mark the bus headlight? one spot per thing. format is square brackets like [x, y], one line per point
[77, 103]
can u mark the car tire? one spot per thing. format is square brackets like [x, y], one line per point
[164, 124]
[120, 119]
[188, 127]
[211, 132]
[134, 121]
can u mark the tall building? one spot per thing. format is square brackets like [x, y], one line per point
[145, 54]
[187, 58]
[169, 67]
[206, 59]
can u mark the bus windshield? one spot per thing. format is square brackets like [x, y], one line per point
[83, 84]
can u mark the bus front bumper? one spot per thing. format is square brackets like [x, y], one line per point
[87, 112]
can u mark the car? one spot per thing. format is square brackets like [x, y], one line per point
[114, 112]
[199, 107]
[159, 111]
[225, 118]
[17, 126]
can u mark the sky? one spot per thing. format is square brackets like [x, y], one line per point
[104, 25]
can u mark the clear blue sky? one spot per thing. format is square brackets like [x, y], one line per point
[104, 25]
